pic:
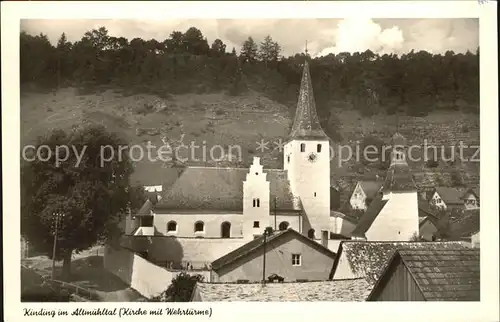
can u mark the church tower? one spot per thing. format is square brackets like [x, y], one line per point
[307, 161]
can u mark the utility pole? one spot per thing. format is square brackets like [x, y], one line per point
[275, 205]
[57, 220]
[267, 231]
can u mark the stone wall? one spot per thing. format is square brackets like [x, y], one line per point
[145, 277]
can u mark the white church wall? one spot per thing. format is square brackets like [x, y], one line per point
[186, 224]
[398, 220]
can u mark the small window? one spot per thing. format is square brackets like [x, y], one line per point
[315, 194]
[256, 173]
[256, 224]
[302, 147]
[296, 260]
[258, 202]
[318, 148]
[288, 159]
[284, 225]
[310, 233]
[199, 226]
[254, 202]
[172, 226]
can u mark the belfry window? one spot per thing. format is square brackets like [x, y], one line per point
[256, 202]
[302, 147]
[318, 148]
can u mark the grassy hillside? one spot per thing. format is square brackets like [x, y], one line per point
[218, 119]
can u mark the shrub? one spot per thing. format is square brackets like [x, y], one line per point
[181, 288]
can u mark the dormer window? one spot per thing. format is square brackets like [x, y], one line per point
[318, 148]
[302, 147]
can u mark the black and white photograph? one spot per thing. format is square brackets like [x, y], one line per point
[251, 160]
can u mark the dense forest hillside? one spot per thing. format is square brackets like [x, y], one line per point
[186, 88]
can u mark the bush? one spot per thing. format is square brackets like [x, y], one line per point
[180, 290]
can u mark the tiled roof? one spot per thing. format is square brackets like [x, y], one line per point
[399, 178]
[370, 187]
[259, 242]
[146, 208]
[465, 225]
[354, 290]
[369, 216]
[442, 274]
[211, 188]
[368, 258]
[451, 195]
[306, 124]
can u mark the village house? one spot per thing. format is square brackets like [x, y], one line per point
[452, 197]
[354, 290]
[428, 221]
[429, 274]
[289, 255]
[363, 194]
[465, 227]
[367, 259]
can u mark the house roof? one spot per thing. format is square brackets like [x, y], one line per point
[306, 124]
[346, 217]
[369, 216]
[370, 187]
[369, 258]
[353, 290]
[257, 243]
[211, 188]
[441, 274]
[451, 195]
[466, 224]
[145, 209]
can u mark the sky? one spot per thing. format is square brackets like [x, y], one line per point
[323, 36]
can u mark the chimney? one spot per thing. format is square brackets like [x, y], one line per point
[324, 238]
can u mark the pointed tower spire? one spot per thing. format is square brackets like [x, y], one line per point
[306, 124]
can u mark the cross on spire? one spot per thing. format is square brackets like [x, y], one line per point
[306, 48]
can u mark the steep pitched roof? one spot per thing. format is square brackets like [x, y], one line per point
[306, 124]
[369, 216]
[399, 179]
[370, 187]
[210, 188]
[451, 195]
[465, 225]
[259, 242]
[353, 290]
[369, 258]
[441, 274]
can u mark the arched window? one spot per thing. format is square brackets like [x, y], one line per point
[171, 226]
[302, 147]
[225, 230]
[318, 148]
[283, 225]
[258, 202]
[310, 233]
[199, 226]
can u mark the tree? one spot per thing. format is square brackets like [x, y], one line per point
[181, 289]
[218, 48]
[269, 50]
[92, 195]
[249, 51]
[194, 43]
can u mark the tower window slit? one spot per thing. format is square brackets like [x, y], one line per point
[318, 148]
[302, 147]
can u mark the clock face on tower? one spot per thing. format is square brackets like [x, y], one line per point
[312, 157]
